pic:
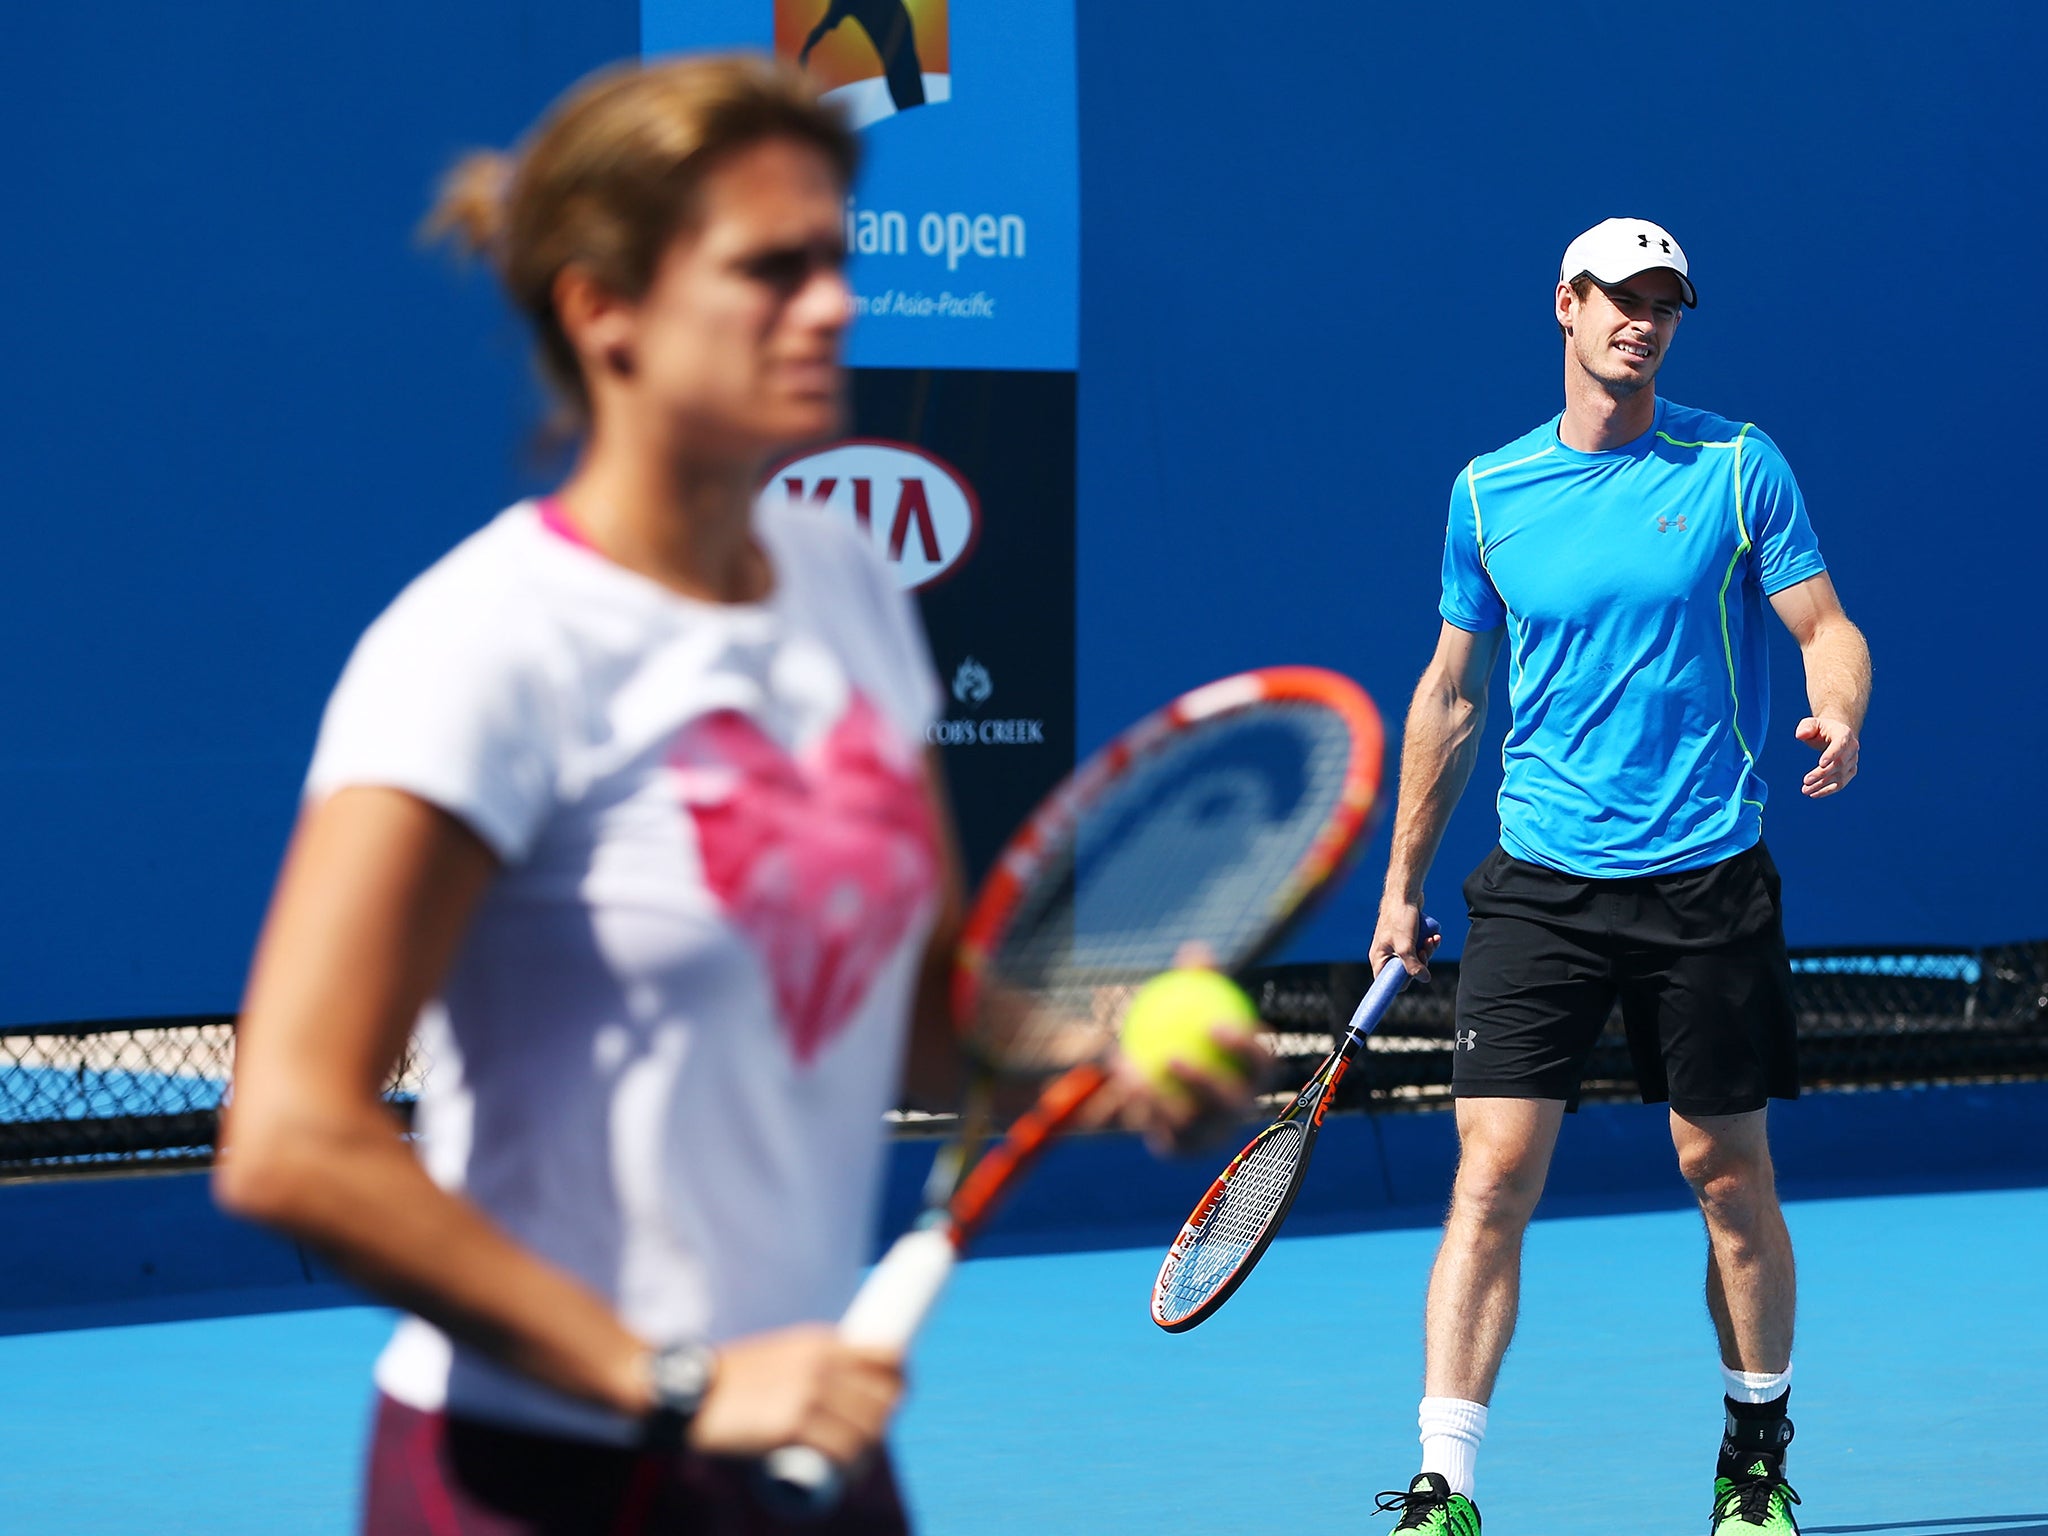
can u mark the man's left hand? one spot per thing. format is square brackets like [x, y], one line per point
[1839, 750]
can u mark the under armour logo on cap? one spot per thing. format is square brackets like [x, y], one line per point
[1615, 250]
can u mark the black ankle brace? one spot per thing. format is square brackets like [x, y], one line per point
[1755, 1432]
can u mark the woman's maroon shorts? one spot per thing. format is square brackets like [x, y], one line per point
[432, 1475]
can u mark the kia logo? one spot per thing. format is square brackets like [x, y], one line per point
[917, 510]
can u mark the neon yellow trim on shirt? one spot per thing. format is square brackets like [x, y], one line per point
[1674, 442]
[1727, 644]
[1741, 522]
[1477, 473]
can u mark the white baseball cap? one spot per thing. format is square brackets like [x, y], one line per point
[1615, 250]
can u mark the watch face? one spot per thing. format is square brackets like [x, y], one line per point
[682, 1375]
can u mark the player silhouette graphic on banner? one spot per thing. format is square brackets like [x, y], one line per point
[888, 26]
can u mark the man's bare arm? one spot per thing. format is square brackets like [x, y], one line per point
[1837, 681]
[1438, 747]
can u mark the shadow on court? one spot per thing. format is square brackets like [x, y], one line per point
[1992, 1525]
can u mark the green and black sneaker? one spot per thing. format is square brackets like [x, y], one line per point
[1758, 1500]
[1429, 1505]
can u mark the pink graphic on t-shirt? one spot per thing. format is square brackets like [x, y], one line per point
[821, 860]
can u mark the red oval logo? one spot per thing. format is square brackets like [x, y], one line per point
[918, 511]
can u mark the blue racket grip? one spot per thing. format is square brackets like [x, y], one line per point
[1388, 985]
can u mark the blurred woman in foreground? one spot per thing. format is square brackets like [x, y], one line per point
[624, 802]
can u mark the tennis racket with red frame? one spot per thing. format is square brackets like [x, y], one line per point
[1238, 1218]
[1215, 820]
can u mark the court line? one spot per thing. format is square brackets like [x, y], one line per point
[2005, 1522]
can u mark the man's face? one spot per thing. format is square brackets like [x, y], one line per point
[1618, 333]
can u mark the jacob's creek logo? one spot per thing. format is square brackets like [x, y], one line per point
[972, 688]
[917, 510]
[972, 685]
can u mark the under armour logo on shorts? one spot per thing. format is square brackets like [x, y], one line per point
[1468, 1039]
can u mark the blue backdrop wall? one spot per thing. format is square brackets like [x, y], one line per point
[1318, 248]
[242, 409]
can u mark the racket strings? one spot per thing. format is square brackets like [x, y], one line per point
[1253, 1198]
[1199, 840]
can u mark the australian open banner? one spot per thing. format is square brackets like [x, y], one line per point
[965, 228]
[964, 244]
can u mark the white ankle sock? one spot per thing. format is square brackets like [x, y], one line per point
[1451, 1431]
[1756, 1386]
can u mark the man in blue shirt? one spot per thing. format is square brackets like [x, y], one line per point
[1625, 550]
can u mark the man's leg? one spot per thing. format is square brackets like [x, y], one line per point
[1532, 996]
[1712, 1024]
[1504, 1148]
[1750, 1280]
[1751, 1297]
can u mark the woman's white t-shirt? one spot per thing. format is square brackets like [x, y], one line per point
[662, 1055]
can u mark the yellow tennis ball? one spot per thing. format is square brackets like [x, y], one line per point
[1170, 1017]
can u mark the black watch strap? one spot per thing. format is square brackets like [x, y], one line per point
[681, 1377]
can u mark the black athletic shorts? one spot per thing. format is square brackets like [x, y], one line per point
[1696, 960]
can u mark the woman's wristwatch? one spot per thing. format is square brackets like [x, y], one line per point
[680, 1376]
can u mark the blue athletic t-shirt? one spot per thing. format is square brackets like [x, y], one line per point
[1632, 583]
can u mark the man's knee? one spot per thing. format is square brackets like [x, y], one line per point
[1494, 1194]
[1731, 1175]
[1503, 1157]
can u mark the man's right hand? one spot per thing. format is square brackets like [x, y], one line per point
[1399, 936]
[798, 1386]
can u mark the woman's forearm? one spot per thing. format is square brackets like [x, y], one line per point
[347, 1185]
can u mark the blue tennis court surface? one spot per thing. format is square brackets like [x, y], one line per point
[1047, 1402]
[29, 1093]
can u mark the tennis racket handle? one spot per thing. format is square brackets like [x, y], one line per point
[1388, 985]
[801, 1482]
[899, 1293]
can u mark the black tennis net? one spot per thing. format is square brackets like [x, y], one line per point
[105, 1094]
[102, 1093]
[1867, 1019]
